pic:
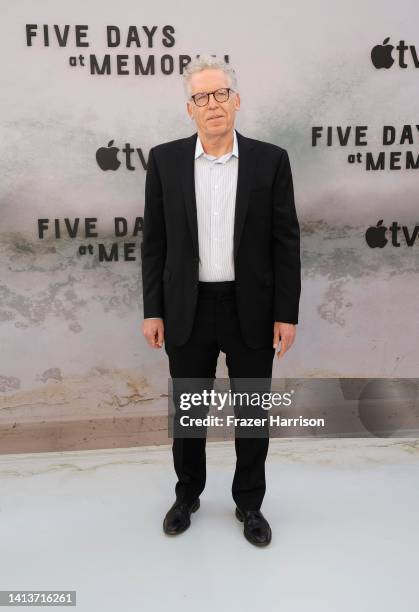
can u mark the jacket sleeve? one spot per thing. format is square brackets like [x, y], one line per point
[286, 245]
[153, 246]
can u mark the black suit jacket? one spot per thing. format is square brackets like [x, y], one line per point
[266, 240]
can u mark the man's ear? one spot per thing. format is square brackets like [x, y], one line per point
[188, 110]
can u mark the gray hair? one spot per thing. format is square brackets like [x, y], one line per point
[205, 62]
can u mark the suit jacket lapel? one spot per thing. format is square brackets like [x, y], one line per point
[244, 181]
[187, 173]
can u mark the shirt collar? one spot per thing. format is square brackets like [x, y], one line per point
[223, 158]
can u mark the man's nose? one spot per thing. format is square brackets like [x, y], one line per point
[212, 102]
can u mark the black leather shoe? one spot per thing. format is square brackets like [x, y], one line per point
[256, 528]
[178, 517]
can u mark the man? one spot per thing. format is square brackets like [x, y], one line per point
[221, 272]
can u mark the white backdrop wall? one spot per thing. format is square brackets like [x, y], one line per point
[70, 324]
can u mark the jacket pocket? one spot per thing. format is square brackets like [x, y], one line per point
[260, 191]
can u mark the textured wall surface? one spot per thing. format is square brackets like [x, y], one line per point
[70, 325]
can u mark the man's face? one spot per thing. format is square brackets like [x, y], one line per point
[216, 118]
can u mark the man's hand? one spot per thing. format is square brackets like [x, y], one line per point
[286, 333]
[153, 330]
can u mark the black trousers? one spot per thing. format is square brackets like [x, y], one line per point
[216, 328]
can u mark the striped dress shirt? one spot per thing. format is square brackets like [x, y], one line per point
[215, 195]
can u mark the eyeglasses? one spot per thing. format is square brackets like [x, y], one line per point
[220, 95]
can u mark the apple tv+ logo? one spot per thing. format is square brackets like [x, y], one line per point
[107, 157]
[381, 55]
[376, 235]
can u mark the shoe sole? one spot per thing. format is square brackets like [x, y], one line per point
[194, 508]
[260, 544]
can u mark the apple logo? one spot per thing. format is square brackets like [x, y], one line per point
[107, 157]
[375, 235]
[381, 55]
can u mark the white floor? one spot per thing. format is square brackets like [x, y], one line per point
[344, 516]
